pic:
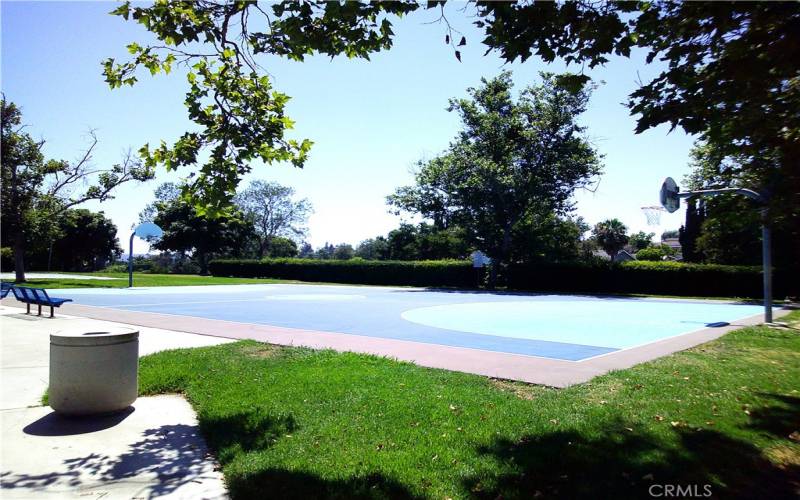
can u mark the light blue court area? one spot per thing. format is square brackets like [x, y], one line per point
[561, 327]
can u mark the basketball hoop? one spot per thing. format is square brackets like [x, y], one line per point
[653, 214]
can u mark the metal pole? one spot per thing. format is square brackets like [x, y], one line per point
[766, 245]
[130, 262]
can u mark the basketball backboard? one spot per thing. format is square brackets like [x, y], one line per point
[669, 195]
[148, 231]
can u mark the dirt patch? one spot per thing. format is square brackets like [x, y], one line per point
[784, 455]
[519, 389]
[261, 351]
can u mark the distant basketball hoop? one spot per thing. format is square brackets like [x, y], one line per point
[653, 214]
[147, 231]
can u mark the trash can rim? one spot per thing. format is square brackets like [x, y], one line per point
[83, 336]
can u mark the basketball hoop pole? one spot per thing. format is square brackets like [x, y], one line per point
[145, 231]
[766, 253]
[766, 238]
[130, 262]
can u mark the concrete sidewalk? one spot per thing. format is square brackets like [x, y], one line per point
[152, 450]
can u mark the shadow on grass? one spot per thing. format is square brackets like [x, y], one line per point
[778, 420]
[254, 431]
[625, 463]
[285, 484]
[244, 432]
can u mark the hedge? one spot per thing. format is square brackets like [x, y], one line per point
[634, 277]
[452, 273]
[647, 277]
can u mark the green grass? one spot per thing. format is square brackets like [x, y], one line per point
[299, 423]
[143, 279]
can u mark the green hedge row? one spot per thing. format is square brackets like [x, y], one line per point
[660, 278]
[645, 277]
[453, 273]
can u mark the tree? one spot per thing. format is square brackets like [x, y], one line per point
[373, 249]
[306, 251]
[36, 192]
[641, 240]
[88, 241]
[729, 64]
[325, 252]
[670, 233]
[273, 213]
[690, 231]
[343, 251]
[655, 252]
[549, 239]
[611, 235]
[403, 243]
[81, 240]
[188, 231]
[282, 247]
[729, 229]
[511, 161]
[425, 242]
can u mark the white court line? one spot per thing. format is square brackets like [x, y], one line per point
[112, 306]
[301, 297]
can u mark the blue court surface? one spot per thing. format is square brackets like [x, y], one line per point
[562, 327]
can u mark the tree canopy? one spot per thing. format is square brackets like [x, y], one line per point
[514, 161]
[611, 235]
[273, 213]
[188, 231]
[728, 65]
[640, 240]
[726, 229]
[37, 192]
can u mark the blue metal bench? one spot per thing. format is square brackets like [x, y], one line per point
[4, 289]
[38, 297]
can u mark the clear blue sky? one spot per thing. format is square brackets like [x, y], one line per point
[370, 121]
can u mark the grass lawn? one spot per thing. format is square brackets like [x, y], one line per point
[143, 279]
[292, 422]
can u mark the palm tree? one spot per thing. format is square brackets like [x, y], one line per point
[611, 236]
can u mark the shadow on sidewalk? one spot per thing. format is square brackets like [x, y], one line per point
[54, 424]
[164, 459]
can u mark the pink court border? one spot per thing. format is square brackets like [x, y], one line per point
[531, 369]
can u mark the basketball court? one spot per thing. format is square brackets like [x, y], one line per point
[549, 339]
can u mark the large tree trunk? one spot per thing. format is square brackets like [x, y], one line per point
[500, 260]
[492, 275]
[202, 261]
[19, 259]
[263, 247]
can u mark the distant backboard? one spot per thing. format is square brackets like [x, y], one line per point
[148, 231]
[479, 259]
[669, 195]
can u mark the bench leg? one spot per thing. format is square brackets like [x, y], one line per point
[40, 310]
[29, 309]
[51, 311]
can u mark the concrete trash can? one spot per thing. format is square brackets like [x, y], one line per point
[93, 372]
